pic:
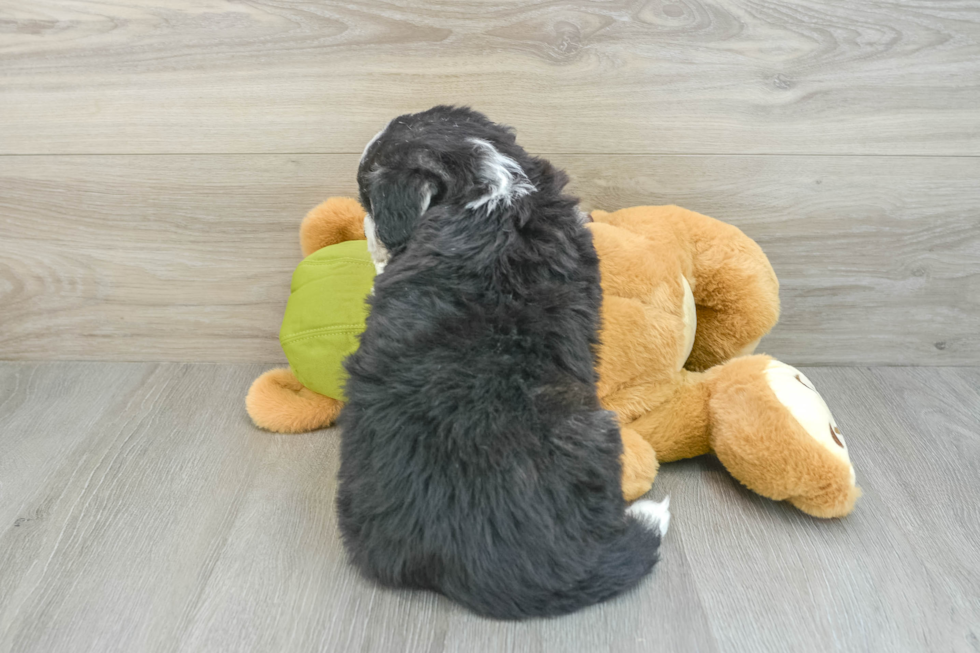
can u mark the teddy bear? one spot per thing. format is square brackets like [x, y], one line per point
[686, 300]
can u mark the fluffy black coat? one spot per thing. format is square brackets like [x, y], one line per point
[476, 460]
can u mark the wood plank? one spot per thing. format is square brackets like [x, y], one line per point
[170, 492]
[47, 415]
[700, 76]
[189, 257]
[283, 584]
[34, 439]
[922, 457]
[113, 548]
[970, 377]
[943, 418]
[170, 524]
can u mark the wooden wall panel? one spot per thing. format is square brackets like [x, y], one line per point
[188, 258]
[617, 76]
[155, 158]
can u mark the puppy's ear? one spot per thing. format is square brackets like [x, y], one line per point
[398, 199]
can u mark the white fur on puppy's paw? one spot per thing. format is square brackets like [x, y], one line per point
[653, 515]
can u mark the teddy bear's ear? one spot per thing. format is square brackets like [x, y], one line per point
[337, 220]
[598, 215]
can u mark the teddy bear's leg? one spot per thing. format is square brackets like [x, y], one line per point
[639, 465]
[675, 420]
[773, 432]
[337, 220]
[277, 401]
[735, 290]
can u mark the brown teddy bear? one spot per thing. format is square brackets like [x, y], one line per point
[686, 299]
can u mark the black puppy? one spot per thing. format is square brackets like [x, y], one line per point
[476, 459]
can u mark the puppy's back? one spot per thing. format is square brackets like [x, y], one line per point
[476, 460]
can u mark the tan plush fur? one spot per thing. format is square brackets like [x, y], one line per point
[337, 220]
[671, 404]
[644, 252]
[735, 288]
[278, 402]
[639, 464]
[761, 444]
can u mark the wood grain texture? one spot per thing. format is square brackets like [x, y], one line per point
[617, 76]
[188, 258]
[111, 550]
[168, 523]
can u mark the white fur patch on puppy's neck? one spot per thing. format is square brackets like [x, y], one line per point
[502, 174]
[379, 253]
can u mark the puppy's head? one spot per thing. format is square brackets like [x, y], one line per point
[444, 157]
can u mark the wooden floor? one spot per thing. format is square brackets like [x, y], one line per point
[141, 511]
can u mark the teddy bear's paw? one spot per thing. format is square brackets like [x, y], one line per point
[795, 391]
[639, 463]
[652, 514]
[279, 402]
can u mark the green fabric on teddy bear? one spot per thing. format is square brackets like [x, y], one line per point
[325, 314]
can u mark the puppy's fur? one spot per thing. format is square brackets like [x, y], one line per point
[476, 460]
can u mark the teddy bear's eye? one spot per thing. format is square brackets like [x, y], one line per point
[805, 384]
[834, 432]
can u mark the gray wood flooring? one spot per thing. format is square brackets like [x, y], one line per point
[141, 511]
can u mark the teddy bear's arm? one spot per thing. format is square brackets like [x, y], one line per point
[672, 415]
[735, 289]
[337, 220]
